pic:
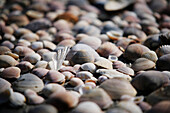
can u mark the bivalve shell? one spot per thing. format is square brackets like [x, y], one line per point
[163, 63]
[11, 72]
[84, 75]
[7, 61]
[17, 99]
[103, 62]
[88, 67]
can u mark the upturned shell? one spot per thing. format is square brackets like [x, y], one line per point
[81, 57]
[63, 101]
[135, 51]
[44, 108]
[25, 66]
[54, 77]
[113, 86]
[103, 62]
[17, 99]
[22, 50]
[99, 96]
[84, 75]
[163, 50]
[28, 81]
[82, 108]
[149, 81]
[142, 64]
[163, 63]
[108, 48]
[88, 67]
[51, 88]
[7, 61]
[11, 72]
[5, 91]
[126, 70]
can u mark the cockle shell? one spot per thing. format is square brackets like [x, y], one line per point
[84, 75]
[103, 62]
[163, 50]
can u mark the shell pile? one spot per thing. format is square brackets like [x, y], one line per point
[84, 56]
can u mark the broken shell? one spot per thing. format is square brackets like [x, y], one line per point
[34, 14]
[103, 62]
[11, 72]
[99, 96]
[28, 81]
[142, 64]
[17, 99]
[7, 61]
[108, 48]
[84, 75]
[15, 56]
[88, 67]
[111, 87]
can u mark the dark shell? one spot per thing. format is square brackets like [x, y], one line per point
[163, 63]
[165, 38]
[163, 50]
[25, 66]
[149, 81]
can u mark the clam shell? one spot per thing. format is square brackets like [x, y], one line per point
[68, 75]
[31, 37]
[23, 51]
[17, 99]
[37, 46]
[88, 67]
[135, 51]
[8, 44]
[163, 63]
[22, 31]
[151, 55]
[69, 43]
[82, 108]
[3, 50]
[15, 56]
[118, 64]
[11, 72]
[99, 96]
[25, 66]
[113, 86]
[49, 45]
[28, 81]
[32, 58]
[40, 72]
[103, 62]
[41, 64]
[163, 50]
[149, 81]
[108, 48]
[76, 82]
[84, 75]
[126, 70]
[7, 61]
[142, 64]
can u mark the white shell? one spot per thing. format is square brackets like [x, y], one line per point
[17, 99]
[84, 75]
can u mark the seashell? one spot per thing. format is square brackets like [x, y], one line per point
[163, 50]
[41, 23]
[23, 42]
[28, 81]
[59, 57]
[142, 64]
[68, 17]
[32, 97]
[99, 96]
[113, 74]
[79, 47]
[164, 38]
[37, 46]
[102, 78]
[144, 106]
[18, 19]
[161, 107]
[44, 108]
[63, 36]
[130, 106]
[163, 63]
[5, 91]
[25, 66]
[151, 55]
[90, 82]
[149, 81]
[42, 51]
[32, 58]
[15, 56]
[54, 76]
[103, 62]
[34, 14]
[41, 64]
[114, 35]
[90, 30]
[8, 44]
[82, 57]
[118, 64]
[158, 7]
[9, 37]
[3, 50]
[118, 5]
[108, 48]
[67, 42]
[17, 99]
[7, 61]
[84, 75]
[40, 72]
[48, 56]
[93, 42]
[63, 101]
[88, 67]
[49, 45]
[135, 51]
[31, 37]
[23, 51]
[52, 88]
[68, 68]
[68, 75]
[11, 72]
[7, 30]
[117, 110]
[82, 108]
[126, 70]
[75, 82]
[111, 87]
[22, 31]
